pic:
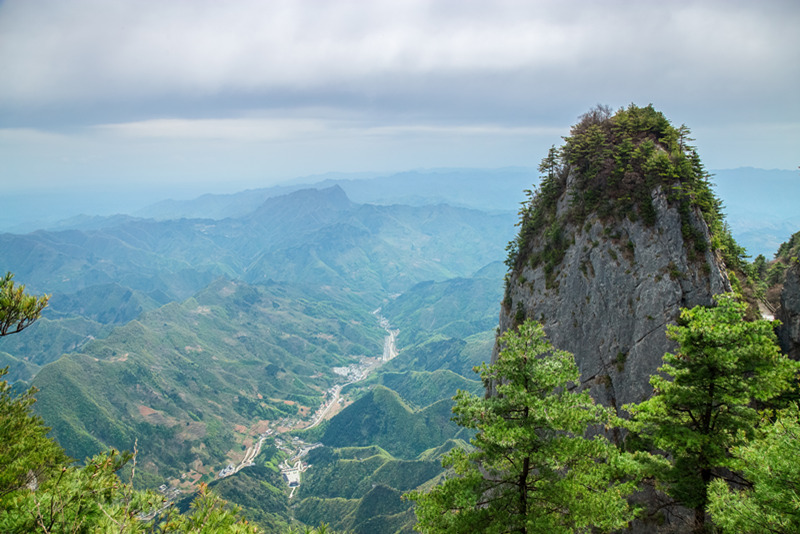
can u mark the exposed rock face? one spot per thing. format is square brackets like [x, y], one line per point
[619, 285]
[789, 313]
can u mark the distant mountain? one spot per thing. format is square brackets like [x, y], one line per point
[358, 489]
[759, 203]
[382, 418]
[456, 308]
[318, 236]
[484, 189]
[761, 206]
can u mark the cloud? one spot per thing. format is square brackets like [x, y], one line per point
[382, 83]
[292, 129]
[401, 54]
[217, 129]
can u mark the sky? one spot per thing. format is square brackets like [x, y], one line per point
[182, 97]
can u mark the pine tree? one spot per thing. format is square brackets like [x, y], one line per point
[703, 404]
[532, 470]
[18, 310]
[770, 500]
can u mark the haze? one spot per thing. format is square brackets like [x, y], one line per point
[136, 101]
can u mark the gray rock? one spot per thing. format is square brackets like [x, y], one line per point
[789, 313]
[618, 287]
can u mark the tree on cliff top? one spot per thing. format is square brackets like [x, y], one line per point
[615, 162]
[532, 469]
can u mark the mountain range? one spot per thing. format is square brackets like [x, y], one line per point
[192, 327]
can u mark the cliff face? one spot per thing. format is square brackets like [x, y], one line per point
[789, 313]
[606, 284]
[619, 285]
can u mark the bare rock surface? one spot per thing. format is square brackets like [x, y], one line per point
[789, 313]
[618, 287]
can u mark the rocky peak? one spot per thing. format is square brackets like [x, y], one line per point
[622, 232]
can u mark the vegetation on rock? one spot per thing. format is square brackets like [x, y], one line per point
[609, 166]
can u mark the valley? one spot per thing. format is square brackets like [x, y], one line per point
[300, 358]
[281, 431]
[232, 347]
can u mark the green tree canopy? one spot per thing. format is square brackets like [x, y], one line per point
[18, 310]
[532, 469]
[770, 501]
[703, 404]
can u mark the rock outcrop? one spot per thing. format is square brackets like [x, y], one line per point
[789, 313]
[619, 285]
[605, 281]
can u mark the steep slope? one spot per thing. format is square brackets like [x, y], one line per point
[788, 259]
[622, 233]
[789, 313]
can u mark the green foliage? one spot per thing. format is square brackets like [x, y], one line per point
[770, 501]
[766, 275]
[703, 404]
[41, 491]
[422, 389]
[313, 510]
[261, 494]
[617, 161]
[350, 472]
[455, 308]
[790, 250]
[18, 310]
[359, 489]
[27, 455]
[440, 353]
[210, 514]
[72, 499]
[532, 469]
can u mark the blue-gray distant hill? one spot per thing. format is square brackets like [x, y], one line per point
[484, 189]
[108, 274]
[761, 206]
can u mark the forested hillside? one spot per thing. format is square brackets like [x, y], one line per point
[203, 340]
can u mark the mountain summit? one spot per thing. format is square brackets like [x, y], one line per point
[622, 232]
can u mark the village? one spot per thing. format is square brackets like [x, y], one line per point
[296, 449]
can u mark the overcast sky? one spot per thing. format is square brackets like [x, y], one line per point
[205, 95]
